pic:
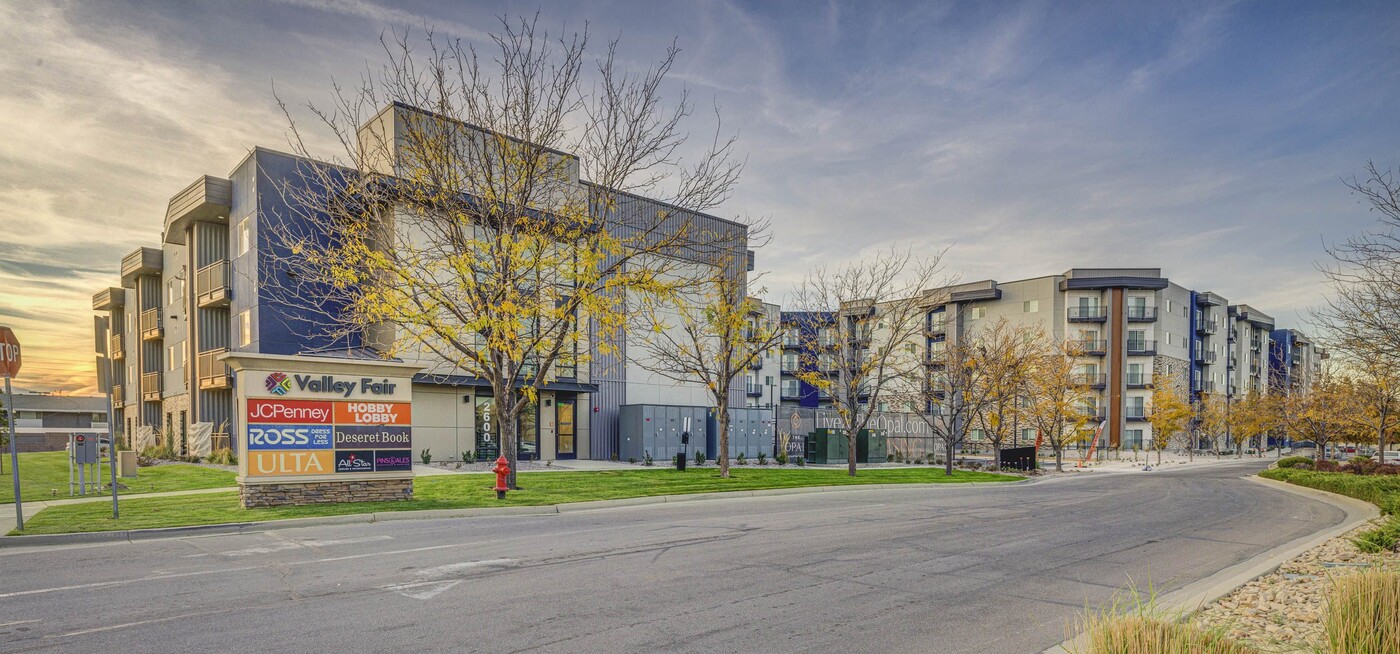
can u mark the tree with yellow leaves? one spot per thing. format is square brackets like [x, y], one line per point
[1168, 412]
[1005, 353]
[1212, 412]
[866, 334]
[454, 228]
[714, 334]
[1055, 395]
[1317, 413]
[1252, 417]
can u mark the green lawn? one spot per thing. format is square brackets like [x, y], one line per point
[474, 490]
[42, 473]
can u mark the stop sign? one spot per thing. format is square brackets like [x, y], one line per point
[9, 353]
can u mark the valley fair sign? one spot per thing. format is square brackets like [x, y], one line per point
[322, 429]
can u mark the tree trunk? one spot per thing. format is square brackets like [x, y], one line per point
[851, 455]
[508, 426]
[1059, 467]
[1159, 456]
[722, 456]
[948, 460]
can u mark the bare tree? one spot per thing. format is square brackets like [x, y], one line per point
[949, 394]
[713, 334]
[870, 333]
[455, 227]
[1364, 274]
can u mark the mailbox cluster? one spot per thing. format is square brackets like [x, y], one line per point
[656, 429]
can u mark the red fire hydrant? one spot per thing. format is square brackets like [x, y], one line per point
[502, 469]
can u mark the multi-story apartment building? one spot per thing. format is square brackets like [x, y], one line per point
[1295, 360]
[762, 383]
[203, 292]
[1134, 326]
[804, 332]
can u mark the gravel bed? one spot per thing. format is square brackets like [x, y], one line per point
[1283, 610]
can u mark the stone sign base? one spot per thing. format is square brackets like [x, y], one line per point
[291, 494]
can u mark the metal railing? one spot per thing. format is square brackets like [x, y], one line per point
[1142, 314]
[211, 284]
[1205, 326]
[213, 373]
[1095, 346]
[753, 390]
[1136, 347]
[150, 324]
[150, 387]
[1090, 379]
[118, 397]
[1135, 413]
[1138, 380]
[1205, 356]
[1086, 314]
[116, 346]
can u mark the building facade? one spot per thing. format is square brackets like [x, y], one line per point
[203, 293]
[44, 423]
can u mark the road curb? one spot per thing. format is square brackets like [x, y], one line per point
[223, 529]
[1193, 596]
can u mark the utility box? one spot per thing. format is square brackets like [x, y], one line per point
[750, 432]
[871, 446]
[126, 463]
[655, 429]
[827, 446]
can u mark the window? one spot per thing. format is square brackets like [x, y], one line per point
[1137, 339]
[245, 234]
[1135, 374]
[244, 325]
[976, 313]
[790, 388]
[1030, 306]
[1132, 438]
[1136, 408]
[790, 361]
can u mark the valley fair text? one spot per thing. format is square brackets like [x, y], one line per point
[329, 384]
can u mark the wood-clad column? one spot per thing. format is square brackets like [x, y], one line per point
[1117, 361]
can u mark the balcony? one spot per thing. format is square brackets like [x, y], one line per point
[118, 397]
[937, 327]
[1254, 370]
[141, 262]
[211, 285]
[1090, 379]
[213, 373]
[150, 325]
[756, 363]
[1205, 326]
[753, 390]
[791, 393]
[150, 387]
[1092, 414]
[1255, 345]
[1142, 314]
[116, 347]
[1234, 362]
[935, 359]
[1139, 381]
[1135, 414]
[1094, 347]
[1141, 348]
[1207, 387]
[1206, 357]
[1086, 314]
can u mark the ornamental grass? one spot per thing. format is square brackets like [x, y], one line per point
[1363, 613]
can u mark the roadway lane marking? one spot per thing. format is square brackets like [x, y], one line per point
[123, 582]
[453, 568]
[11, 624]
[344, 541]
[423, 590]
[432, 583]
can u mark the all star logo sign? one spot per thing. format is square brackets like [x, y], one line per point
[278, 383]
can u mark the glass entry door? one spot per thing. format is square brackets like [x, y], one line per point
[564, 428]
[528, 432]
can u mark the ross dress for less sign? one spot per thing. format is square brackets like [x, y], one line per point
[318, 424]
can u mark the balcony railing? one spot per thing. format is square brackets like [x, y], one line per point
[1142, 314]
[791, 393]
[1136, 413]
[1205, 326]
[754, 390]
[1091, 346]
[1234, 362]
[1091, 379]
[1086, 314]
[1256, 344]
[150, 325]
[118, 397]
[1092, 414]
[150, 387]
[213, 373]
[1255, 370]
[756, 364]
[1207, 387]
[1138, 380]
[1142, 348]
[211, 284]
[1205, 356]
[116, 347]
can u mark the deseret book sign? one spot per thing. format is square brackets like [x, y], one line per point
[308, 419]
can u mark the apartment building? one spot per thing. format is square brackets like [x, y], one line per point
[762, 382]
[201, 292]
[1249, 347]
[804, 334]
[1295, 360]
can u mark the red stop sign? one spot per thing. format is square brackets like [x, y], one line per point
[9, 353]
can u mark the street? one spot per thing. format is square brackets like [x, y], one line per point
[959, 568]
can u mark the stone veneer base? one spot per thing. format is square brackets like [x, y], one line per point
[321, 492]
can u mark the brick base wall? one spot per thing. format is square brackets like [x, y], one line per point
[376, 490]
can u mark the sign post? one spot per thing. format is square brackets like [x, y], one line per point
[9, 367]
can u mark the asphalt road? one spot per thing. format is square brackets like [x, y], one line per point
[943, 569]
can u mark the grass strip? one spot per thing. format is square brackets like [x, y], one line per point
[460, 491]
[44, 476]
[1381, 490]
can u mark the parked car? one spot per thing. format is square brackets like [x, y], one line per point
[1391, 457]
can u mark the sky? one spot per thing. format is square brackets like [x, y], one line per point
[1027, 138]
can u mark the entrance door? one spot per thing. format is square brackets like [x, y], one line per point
[529, 432]
[564, 429]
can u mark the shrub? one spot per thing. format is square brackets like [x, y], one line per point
[1295, 462]
[800, 462]
[646, 459]
[889, 458]
[468, 456]
[699, 457]
[739, 460]
[630, 459]
[1132, 624]
[223, 457]
[1385, 538]
[1363, 613]
[781, 458]
[763, 458]
[426, 455]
